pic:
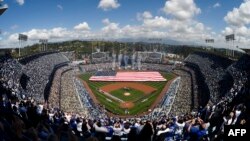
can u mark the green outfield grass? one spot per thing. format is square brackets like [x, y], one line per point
[137, 97]
[134, 94]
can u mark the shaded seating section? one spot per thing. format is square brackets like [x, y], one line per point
[212, 69]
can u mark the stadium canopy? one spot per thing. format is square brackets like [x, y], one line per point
[247, 50]
[3, 7]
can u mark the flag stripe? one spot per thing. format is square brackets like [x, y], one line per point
[131, 76]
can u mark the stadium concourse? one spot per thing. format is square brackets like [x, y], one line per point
[42, 100]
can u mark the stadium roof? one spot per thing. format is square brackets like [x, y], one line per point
[246, 50]
[3, 7]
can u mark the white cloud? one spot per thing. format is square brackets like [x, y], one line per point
[181, 9]
[53, 35]
[238, 21]
[216, 5]
[144, 15]
[151, 26]
[5, 33]
[242, 31]
[110, 28]
[242, 36]
[159, 27]
[174, 28]
[239, 16]
[105, 21]
[227, 31]
[20, 2]
[108, 4]
[59, 7]
[36, 34]
[157, 22]
[82, 26]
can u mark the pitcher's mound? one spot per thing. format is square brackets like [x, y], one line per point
[127, 105]
[126, 94]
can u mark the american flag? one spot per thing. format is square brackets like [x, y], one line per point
[131, 76]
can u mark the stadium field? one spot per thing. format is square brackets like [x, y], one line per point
[127, 95]
[141, 102]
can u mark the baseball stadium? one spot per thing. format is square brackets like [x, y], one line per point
[156, 81]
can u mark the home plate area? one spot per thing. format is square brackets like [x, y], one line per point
[127, 105]
[126, 94]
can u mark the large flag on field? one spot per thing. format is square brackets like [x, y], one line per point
[131, 76]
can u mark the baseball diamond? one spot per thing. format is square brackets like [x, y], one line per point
[132, 97]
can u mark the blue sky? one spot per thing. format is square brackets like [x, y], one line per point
[183, 20]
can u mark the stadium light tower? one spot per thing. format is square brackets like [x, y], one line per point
[44, 44]
[209, 41]
[3, 7]
[21, 39]
[230, 38]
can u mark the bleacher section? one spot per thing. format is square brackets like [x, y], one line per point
[212, 68]
[26, 59]
[167, 101]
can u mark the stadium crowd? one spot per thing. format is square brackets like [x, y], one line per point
[183, 100]
[212, 68]
[54, 96]
[96, 67]
[69, 54]
[193, 90]
[167, 101]
[91, 110]
[110, 66]
[10, 78]
[69, 101]
[157, 67]
[27, 119]
[39, 71]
